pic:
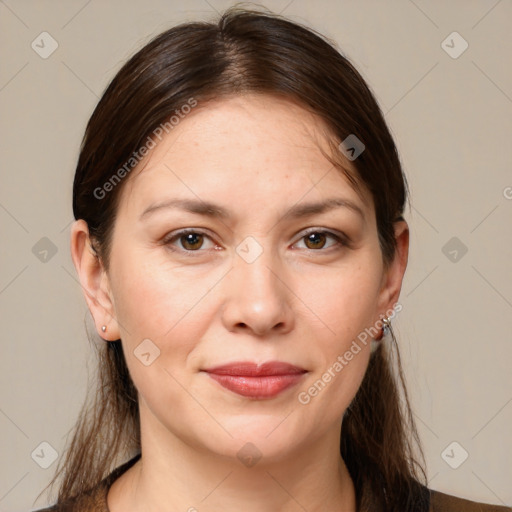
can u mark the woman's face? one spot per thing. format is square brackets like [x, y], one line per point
[266, 274]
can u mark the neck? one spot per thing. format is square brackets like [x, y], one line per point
[173, 475]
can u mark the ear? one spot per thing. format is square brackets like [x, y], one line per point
[94, 281]
[395, 270]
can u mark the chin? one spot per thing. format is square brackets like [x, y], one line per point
[258, 438]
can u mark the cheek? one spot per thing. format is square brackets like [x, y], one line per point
[164, 305]
[346, 303]
[153, 299]
[344, 299]
[169, 305]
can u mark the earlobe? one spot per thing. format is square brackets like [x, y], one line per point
[394, 273]
[94, 281]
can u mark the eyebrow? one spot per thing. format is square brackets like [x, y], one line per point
[209, 209]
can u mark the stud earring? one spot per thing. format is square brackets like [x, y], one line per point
[103, 328]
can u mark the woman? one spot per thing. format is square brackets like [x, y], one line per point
[241, 247]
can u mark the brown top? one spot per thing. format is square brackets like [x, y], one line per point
[96, 499]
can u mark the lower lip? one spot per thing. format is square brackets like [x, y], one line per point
[260, 387]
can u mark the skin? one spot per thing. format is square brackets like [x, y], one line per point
[256, 156]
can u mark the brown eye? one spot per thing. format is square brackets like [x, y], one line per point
[315, 240]
[188, 241]
[191, 241]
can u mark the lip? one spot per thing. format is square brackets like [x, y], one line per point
[251, 380]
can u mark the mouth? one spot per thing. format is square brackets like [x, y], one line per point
[257, 381]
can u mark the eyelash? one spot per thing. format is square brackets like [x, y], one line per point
[341, 240]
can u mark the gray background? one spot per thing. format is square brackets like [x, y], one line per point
[452, 121]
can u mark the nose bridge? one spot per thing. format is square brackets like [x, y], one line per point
[258, 274]
[256, 296]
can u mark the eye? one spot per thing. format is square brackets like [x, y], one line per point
[317, 239]
[190, 240]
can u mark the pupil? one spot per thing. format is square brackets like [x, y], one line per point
[319, 239]
[192, 239]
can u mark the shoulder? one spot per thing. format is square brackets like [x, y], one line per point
[94, 500]
[441, 502]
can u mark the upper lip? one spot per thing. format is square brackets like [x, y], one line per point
[251, 369]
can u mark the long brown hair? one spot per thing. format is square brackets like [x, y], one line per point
[245, 51]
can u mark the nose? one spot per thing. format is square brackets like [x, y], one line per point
[257, 298]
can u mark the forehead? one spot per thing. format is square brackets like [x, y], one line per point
[241, 145]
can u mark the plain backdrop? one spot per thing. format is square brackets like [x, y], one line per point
[450, 110]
